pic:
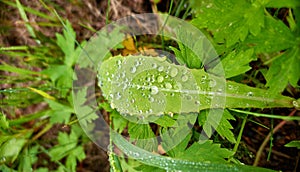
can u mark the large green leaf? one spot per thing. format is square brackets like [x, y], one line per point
[173, 164]
[144, 86]
[229, 20]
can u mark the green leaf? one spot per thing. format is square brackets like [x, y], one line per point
[294, 143]
[66, 42]
[223, 126]
[206, 152]
[284, 69]
[85, 114]
[10, 149]
[168, 88]
[283, 4]
[230, 21]
[60, 113]
[276, 36]
[4, 124]
[236, 62]
[68, 147]
[143, 135]
[168, 163]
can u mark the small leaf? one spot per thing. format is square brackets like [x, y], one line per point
[294, 143]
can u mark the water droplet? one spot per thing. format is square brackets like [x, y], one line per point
[172, 94]
[137, 63]
[184, 78]
[197, 102]
[118, 96]
[230, 87]
[250, 94]
[100, 83]
[209, 5]
[154, 90]
[160, 79]
[151, 99]
[160, 68]
[295, 103]
[132, 101]
[212, 83]
[168, 85]
[154, 65]
[119, 62]
[174, 72]
[133, 69]
[203, 77]
[188, 97]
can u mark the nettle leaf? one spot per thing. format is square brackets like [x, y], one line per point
[206, 152]
[229, 20]
[68, 147]
[145, 86]
[85, 114]
[143, 135]
[223, 127]
[285, 69]
[276, 36]
[59, 113]
[239, 59]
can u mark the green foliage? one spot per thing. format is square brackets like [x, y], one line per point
[294, 143]
[169, 88]
[68, 147]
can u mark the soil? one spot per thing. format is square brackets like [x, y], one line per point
[92, 14]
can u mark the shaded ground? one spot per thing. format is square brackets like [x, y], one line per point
[92, 14]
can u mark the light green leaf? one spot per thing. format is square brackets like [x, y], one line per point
[294, 143]
[60, 113]
[168, 163]
[276, 36]
[284, 69]
[143, 135]
[168, 88]
[283, 4]
[206, 152]
[223, 127]
[236, 62]
[229, 20]
[4, 124]
[10, 149]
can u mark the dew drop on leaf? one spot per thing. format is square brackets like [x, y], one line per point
[154, 65]
[212, 83]
[133, 69]
[151, 99]
[154, 90]
[295, 103]
[160, 68]
[160, 79]
[118, 96]
[168, 85]
[174, 72]
[184, 78]
[250, 94]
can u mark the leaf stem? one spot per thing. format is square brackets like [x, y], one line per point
[240, 135]
[263, 145]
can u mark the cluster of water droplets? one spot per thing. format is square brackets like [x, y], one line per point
[143, 86]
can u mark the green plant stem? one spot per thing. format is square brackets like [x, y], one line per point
[26, 118]
[240, 135]
[107, 12]
[43, 131]
[263, 145]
